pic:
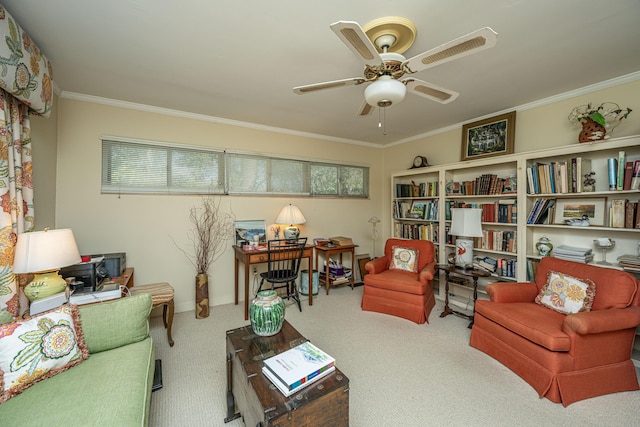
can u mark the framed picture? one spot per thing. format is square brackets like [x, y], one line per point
[489, 137]
[594, 208]
[362, 260]
[418, 210]
[250, 232]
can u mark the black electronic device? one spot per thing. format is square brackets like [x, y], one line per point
[91, 273]
[115, 263]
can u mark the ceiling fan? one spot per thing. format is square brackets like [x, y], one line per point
[380, 44]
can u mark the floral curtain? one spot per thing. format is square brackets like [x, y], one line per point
[26, 85]
[24, 71]
[16, 191]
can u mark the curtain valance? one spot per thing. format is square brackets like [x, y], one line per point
[25, 72]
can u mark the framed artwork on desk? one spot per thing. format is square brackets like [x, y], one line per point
[250, 232]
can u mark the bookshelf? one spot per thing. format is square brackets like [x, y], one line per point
[458, 184]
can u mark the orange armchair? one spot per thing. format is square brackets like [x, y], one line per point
[396, 291]
[564, 357]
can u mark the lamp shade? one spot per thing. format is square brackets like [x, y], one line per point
[46, 250]
[290, 214]
[374, 220]
[466, 222]
[384, 92]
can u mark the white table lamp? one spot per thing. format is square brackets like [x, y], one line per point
[44, 253]
[291, 215]
[465, 223]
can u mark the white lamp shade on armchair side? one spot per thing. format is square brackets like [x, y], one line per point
[44, 253]
[465, 223]
[291, 215]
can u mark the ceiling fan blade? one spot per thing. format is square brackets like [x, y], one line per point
[430, 91]
[365, 110]
[301, 90]
[474, 42]
[352, 35]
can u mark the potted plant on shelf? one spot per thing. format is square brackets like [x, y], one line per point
[597, 121]
[212, 228]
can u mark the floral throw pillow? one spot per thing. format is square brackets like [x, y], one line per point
[39, 348]
[566, 294]
[404, 259]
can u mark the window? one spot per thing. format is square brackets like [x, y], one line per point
[145, 167]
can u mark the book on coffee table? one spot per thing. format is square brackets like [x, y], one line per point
[295, 368]
[283, 388]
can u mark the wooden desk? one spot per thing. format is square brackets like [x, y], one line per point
[327, 251]
[259, 403]
[258, 257]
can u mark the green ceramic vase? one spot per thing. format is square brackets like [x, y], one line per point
[266, 313]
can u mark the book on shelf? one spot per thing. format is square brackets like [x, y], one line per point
[298, 367]
[617, 213]
[620, 170]
[572, 250]
[635, 176]
[628, 174]
[630, 215]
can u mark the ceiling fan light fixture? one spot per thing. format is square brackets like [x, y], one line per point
[384, 92]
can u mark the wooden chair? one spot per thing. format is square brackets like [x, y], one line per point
[161, 295]
[283, 259]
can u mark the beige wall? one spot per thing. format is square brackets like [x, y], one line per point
[142, 225]
[44, 143]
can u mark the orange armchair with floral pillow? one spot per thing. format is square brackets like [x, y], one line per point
[569, 334]
[400, 282]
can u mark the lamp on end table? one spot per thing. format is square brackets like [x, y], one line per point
[44, 253]
[465, 224]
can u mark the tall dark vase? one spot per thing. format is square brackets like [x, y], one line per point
[202, 296]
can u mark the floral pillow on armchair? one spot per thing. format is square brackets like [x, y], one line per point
[404, 259]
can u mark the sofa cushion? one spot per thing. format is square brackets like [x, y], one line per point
[39, 348]
[404, 259]
[531, 321]
[566, 294]
[116, 323]
[397, 280]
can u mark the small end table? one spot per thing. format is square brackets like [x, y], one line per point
[469, 272]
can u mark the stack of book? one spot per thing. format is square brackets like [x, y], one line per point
[571, 253]
[338, 274]
[298, 367]
[487, 263]
[630, 263]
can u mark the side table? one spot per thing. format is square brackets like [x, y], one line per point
[474, 274]
[327, 251]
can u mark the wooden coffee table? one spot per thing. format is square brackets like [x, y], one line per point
[253, 397]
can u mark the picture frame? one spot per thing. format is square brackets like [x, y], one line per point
[418, 210]
[489, 137]
[594, 207]
[362, 260]
[244, 232]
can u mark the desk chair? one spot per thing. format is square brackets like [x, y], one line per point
[283, 259]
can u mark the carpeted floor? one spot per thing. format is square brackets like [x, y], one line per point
[401, 374]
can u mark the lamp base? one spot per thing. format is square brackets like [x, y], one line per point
[44, 285]
[291, 232]
[464, 253]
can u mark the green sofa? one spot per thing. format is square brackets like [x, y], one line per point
[112, 387]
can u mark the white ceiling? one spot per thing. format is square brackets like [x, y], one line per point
[239, 60]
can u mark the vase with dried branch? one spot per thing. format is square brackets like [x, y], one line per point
[211, 229]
